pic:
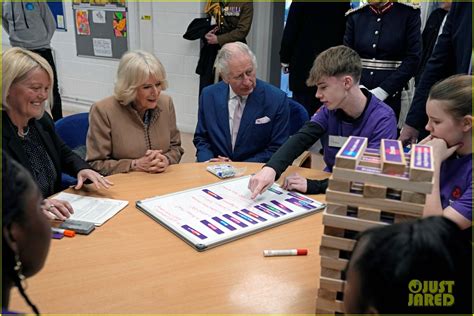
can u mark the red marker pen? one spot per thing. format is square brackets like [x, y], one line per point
[289, 252]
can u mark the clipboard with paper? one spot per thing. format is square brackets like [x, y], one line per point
[208, 216]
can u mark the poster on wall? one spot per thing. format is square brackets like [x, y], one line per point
[120, 24]
[98, 16]
[102, 47]
[57, 9]
[101, 30]
[108, 3]
[82, 22]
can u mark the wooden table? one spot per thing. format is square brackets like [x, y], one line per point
[134, 265]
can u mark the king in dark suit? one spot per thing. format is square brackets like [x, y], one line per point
[241, 118]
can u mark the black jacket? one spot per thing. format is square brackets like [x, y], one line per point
[64, 159]
[311, 28]
[451, 55]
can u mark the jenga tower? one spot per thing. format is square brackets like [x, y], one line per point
[367, 188]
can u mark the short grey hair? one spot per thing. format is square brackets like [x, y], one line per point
[134, 69]
[17, 64]
[227, 52]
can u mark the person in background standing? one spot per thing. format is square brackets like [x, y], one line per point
[452, 55]
[431, 32]
[305, 36]
[232, 22]
[387, 37]
[31, 25]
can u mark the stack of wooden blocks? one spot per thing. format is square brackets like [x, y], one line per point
[367, 188]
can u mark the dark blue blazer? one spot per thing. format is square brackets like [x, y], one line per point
[451, 55]
[255, 142]
[396, 36]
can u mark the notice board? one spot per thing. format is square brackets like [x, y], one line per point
[57, 9]
[101, 30]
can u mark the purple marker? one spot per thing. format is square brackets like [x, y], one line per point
[57, 235]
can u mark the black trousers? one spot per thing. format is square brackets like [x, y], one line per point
[57, 109]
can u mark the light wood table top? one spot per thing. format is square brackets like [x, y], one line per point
[132, 264]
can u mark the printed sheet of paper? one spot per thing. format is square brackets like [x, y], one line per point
[102, 47]
[211, 215]
[91, 209]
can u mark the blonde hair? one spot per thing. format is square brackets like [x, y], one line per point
[456, 91]
[134, 69]
[17, 64]
[333, 62]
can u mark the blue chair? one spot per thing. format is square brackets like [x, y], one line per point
[72, 130]
[299, 116]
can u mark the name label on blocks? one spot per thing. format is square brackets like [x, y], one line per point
[352, 151]
[392, 156]
[421, 163]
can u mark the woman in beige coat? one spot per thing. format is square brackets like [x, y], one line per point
[135, 129]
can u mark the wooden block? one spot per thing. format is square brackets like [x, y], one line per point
[338, 209]
[339, 185]
[364, 174]
[397, 207]
[413, 197]
[351, 152]
[323, 293]
[337, 243]
[331, 284]
[392, 156]
[374, 152]
[328, 252]
[370, 161]
[333, 231]
[335, 305]
[357, 187]
[421, 163]
[394, 194]
[369, 214]
[374, 191]
[331, 273]
[351, 223]
[336, 264]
